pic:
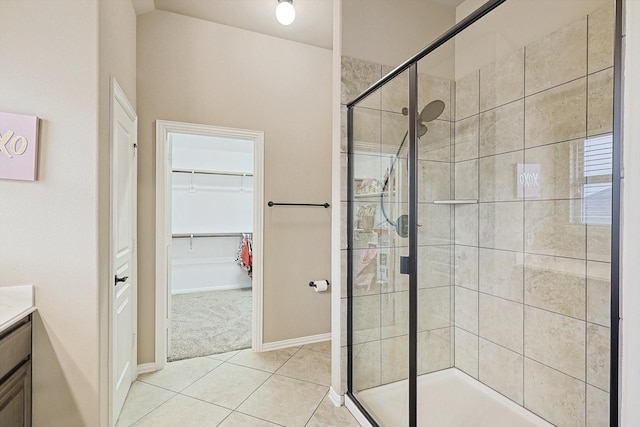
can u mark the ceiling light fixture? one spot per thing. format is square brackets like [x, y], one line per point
[285, 12]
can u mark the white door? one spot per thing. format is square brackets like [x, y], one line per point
[123, 249]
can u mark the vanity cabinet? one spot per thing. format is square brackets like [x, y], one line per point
[15, 375]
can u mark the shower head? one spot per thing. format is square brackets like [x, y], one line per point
[431, 111]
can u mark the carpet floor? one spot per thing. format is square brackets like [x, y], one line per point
[212, 322]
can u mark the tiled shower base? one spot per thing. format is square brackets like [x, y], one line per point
[446, 398]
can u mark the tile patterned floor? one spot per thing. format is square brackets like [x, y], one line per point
[239, 389]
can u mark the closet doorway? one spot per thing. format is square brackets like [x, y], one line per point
[209, 188]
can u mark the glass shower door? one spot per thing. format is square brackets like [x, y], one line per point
[378, 215]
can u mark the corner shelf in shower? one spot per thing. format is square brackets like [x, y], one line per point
[206, 172]
[456, 202]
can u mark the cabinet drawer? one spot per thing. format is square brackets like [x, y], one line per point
[14, 348]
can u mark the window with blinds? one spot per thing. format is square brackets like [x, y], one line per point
[595, 173]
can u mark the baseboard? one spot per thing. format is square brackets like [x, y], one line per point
[212, 288]
[336, 398]
[294, 342]
[145, 368]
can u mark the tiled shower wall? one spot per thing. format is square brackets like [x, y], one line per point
[532, 266]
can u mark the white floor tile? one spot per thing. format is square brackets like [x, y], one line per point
[176, 376]
[285, 401]
[306, 365]
[268, 361]
[142, 399]
[184, 411]
[228, 385]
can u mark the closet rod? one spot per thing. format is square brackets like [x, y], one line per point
[203, 172]
[188, 236]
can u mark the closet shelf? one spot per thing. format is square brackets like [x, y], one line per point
[188, 236]
[204, 172]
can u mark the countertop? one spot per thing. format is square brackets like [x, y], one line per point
[15, 303]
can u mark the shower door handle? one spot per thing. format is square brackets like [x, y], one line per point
[404, 265]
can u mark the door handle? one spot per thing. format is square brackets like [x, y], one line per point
[120, 279]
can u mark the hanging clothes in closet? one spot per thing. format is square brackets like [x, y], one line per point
[244, 257]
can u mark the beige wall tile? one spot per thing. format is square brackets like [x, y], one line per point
[432, 88]
[600, 99]
[557, 58]
[343, 177]
[437, 143]
[553, 395]
[466, 352]
[597, 407]
[366, 313]
[466, 266]
[599, 242]
[357, 75]
[394, 314]
[343, 225]
[555, 284]
[599, 292]
[466, 180]
[434, 308]
[366, 366]
[502, 129]
[550, 229]
[499, 177]
[466, 225]
[502, 81]
[466, 139]
[434, 181]
[601, 36]
[394, 127]
[367, 124]
[502, 370]
[556, 179]
[435, 224]
[555, 340]
[434, 266]
[343, 129]
[555, 115]
[598, 355]
[395, 93]
[395, 359]
[434, 350]
[343, 321]
[466, 309]
[366, 273]
[468, 95]
[501, 225]
[501, 322]
[501, 273]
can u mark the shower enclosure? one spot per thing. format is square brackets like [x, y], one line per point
[481, 238]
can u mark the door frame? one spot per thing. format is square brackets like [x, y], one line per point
[118, 97]
[163, 226]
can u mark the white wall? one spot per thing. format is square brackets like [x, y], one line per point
[55, 63]
[389, 32]
[195, 71]
[630, 368]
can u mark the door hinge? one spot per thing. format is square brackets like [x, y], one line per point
[134, 245]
